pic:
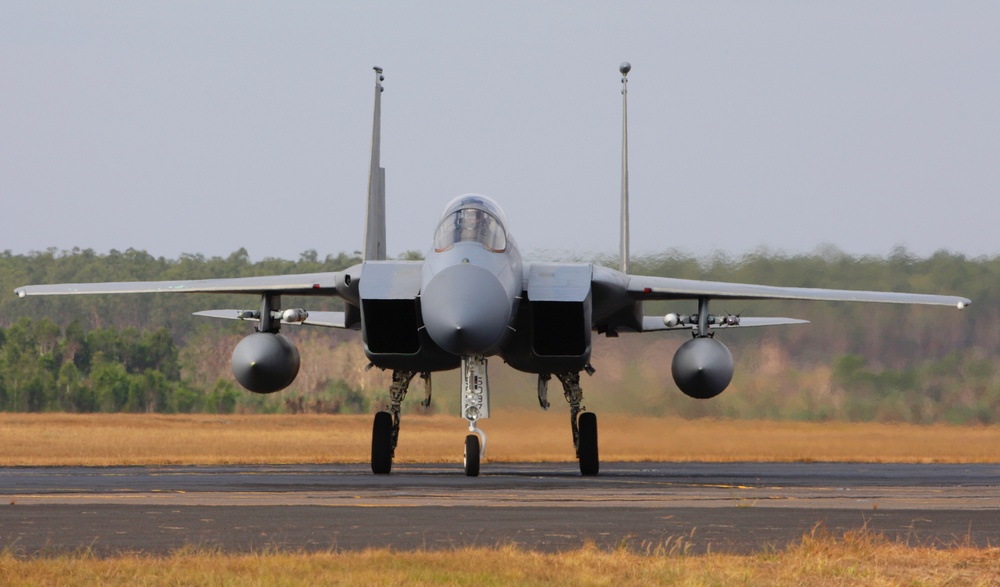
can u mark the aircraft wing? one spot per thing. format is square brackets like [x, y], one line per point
[667, 288]
[301, 284]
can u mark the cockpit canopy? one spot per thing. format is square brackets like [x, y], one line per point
[472, 218]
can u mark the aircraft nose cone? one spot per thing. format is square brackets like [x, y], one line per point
[466, 310]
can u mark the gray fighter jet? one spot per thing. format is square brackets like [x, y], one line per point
[474, 298]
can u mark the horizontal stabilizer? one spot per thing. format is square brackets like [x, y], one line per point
[327, 319]
[653, 323]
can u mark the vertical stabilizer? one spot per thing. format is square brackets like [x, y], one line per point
[375, 225]
[624, 68]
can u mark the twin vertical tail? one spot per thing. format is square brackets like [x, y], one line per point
[624, 68]
[375, 215]
[375, 226]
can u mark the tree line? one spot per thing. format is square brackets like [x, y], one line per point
[44, 368]
[881, 361]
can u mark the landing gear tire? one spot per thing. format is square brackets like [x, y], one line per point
[471, 456]
[382, 443]
[590, 464]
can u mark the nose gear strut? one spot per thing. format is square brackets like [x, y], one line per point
[475, 405]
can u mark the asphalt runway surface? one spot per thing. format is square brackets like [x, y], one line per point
[732, 507]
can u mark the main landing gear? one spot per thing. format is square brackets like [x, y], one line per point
[385, 429]
[583, 423]
[475, 406]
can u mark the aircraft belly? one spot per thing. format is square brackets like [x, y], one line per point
[429, 357]
[527, 362]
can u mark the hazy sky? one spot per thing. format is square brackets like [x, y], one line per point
[203, 127]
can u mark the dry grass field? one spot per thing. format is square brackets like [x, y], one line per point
[134, 439]
[857, 558]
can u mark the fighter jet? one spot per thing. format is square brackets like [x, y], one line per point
[474, 298]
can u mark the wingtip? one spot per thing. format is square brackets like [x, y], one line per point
[964, 303]
[20, 293]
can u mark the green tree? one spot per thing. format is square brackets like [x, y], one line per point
[112, 385]
[222, 399]
[73, 392]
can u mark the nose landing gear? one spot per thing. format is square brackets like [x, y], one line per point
[475, 405]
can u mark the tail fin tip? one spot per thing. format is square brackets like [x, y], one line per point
[375, 215]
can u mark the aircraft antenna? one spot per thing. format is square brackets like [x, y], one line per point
[624, 68]
[375, 214]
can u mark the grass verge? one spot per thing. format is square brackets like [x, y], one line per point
[856, 558]
[139, 439]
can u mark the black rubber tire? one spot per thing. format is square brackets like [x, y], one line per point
[471, 459]
[382, 443]
[590, 464]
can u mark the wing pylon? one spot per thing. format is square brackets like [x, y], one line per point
[327, 319]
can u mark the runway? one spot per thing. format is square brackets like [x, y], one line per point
[736, 507]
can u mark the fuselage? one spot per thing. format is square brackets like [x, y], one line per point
[473, 296]
[472, 279]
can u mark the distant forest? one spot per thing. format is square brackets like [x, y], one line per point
[147, 353]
